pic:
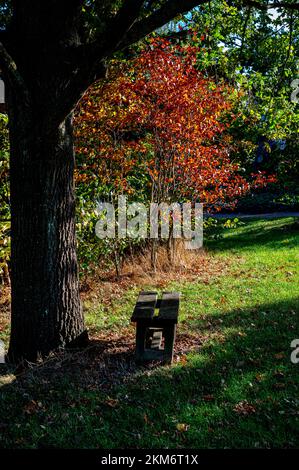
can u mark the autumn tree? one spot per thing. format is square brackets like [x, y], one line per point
[51, 51]
[158, 115]
[158, 112]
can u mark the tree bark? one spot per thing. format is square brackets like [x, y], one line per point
[49, 55]
[44, 274]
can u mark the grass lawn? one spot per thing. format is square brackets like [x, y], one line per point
[232, 384]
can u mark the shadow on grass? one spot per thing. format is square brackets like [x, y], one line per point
[258, 233]
[234, 386]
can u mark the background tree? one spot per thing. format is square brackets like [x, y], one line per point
[256, 51]
[158, 116]
[144, 118]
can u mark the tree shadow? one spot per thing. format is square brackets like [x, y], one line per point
[232, 385]
[271, 237]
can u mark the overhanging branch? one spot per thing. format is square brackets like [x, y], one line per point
[8, 66]
[159, 18]
[172, 8]
[125, 28]
[11, 74]
[123, 22]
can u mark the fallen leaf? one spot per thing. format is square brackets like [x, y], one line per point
[280, 355]
[182, 427]
[31, 407]
[208, 397]
[279, 386]
[259, 377]
[183, 359]
[278, 374]
[112, 402]
[244, 408]
[241, 333]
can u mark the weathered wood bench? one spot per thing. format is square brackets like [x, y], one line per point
[156, 321]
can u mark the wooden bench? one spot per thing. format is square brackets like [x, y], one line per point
[156, 321]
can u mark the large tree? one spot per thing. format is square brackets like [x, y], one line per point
[51, 51]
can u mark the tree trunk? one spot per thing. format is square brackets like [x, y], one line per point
[46, 310]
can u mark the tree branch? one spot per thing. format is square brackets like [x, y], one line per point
[115, 29]
[244, 31]
[172, 8]
[159, 18]
[9, 68]
[124, 20]
[125, 28]
[90, 55]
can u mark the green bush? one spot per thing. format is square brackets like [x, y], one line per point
[4, 168]
[4, 200]
[213, 228]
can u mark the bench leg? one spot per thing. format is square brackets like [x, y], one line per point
[142, 355]
[169, 338]
[140, 343]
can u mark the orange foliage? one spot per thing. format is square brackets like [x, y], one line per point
[157, 114]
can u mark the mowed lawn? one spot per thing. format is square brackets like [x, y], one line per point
[232, 384]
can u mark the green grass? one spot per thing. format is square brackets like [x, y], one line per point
[234, 385]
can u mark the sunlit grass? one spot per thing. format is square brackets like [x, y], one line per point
[233, 386]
